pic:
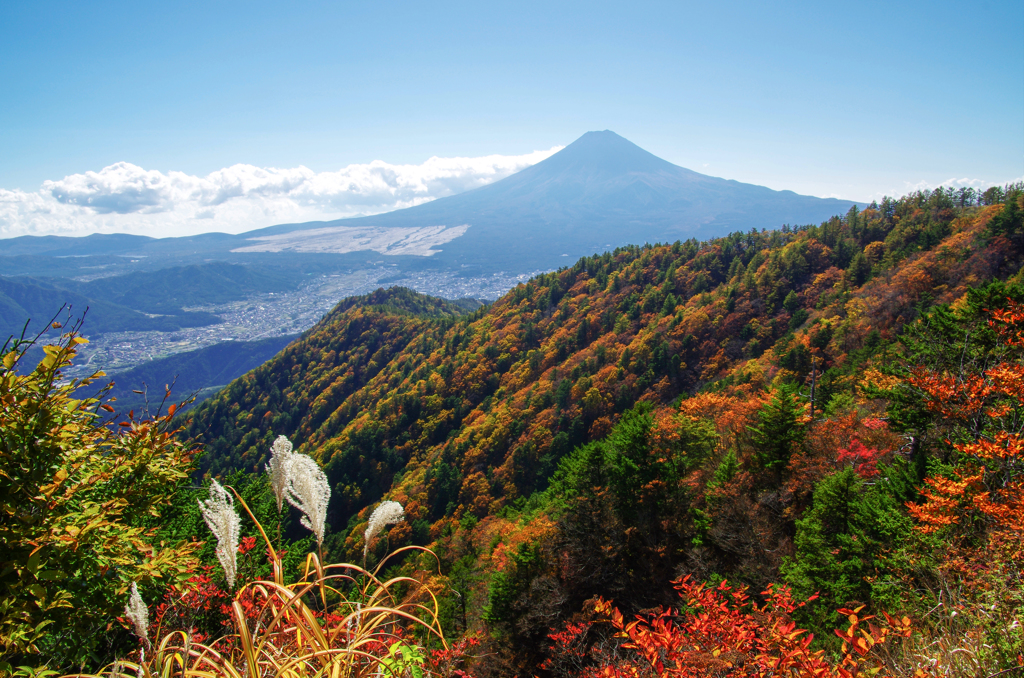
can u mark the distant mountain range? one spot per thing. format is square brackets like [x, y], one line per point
[598, 193]
[39, 300]
[139, 301]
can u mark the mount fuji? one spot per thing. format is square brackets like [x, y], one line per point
[600, 191]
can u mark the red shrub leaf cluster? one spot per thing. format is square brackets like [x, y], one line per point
[862, 459]
[717, 632]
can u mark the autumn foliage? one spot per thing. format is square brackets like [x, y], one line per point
[986, 409]
[721, 631]
[765, 361]
[77, 502]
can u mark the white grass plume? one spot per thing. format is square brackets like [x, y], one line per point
[219, 514]
[278, 468]
[309, 491]
[388, 513]
[138, 614]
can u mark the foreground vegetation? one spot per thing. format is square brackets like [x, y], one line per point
[661, 461]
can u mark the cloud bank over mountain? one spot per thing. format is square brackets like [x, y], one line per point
[126, 198]
[976, 184]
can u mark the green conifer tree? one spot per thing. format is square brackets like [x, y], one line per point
[779, 429]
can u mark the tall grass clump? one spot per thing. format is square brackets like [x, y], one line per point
[337, 620]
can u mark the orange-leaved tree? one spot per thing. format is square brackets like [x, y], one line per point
[987, 410]
[975, 507]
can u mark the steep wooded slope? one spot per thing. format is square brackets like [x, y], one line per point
[721, 410]
[308, 387]
[482, 407]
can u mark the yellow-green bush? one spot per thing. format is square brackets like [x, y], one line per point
[76, 493]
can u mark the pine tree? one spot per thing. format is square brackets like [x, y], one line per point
[779, 428]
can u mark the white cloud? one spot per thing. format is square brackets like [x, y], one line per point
[125, 198]
[909, 187]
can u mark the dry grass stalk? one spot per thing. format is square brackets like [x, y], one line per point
[339, 621]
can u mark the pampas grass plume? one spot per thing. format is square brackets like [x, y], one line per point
[219, 514]
[278, 468]
[388, 513]
[309, 491]
[138, 613]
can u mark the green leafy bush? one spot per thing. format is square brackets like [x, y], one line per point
[76, 493]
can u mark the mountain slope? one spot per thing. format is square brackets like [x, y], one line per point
[556, 361]
[600, 430]
[302, 388]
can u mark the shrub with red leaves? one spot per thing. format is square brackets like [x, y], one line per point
[718, 632]
[862, 459]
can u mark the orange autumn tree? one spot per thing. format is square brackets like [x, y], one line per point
[971, 512]
[987, 409]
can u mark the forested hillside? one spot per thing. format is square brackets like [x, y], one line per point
[694, 408]
[554, 363]
[27, 299]
[306, 384]
[665, 460]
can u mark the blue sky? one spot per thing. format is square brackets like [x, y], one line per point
[853, 100]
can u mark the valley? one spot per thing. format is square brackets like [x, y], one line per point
[257, 317]
[274, 314]
[512, 340]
